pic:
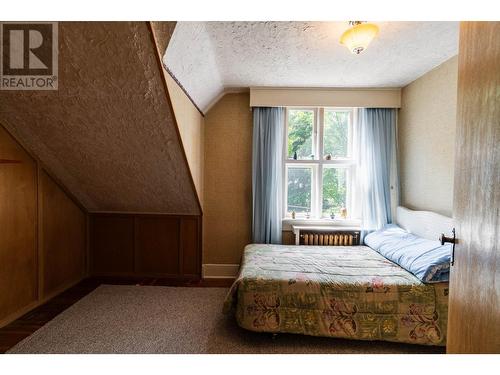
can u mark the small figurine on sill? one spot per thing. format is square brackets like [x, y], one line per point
[328, 157]
[295, 155]
[332, 215]
[293, 214]
[343, 213]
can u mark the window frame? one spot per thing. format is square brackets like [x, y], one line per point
[319, 162]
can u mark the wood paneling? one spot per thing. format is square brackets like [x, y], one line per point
[18, 228]
[63, 238]
[156, 245]
[474, 310]
[190, 235]
[112, 244]
[42, 233]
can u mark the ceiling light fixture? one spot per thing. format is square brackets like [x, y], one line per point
[358, 36]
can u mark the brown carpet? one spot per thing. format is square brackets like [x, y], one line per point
[155, 319]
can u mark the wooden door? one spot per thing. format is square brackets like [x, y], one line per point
[474, 310]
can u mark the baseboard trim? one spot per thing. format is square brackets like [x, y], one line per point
[61, 289]
[220, 271]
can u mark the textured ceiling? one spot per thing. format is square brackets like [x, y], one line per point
[191, 57]
[108, 134]
[208, 57]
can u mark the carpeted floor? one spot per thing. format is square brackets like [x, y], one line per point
[155, 319]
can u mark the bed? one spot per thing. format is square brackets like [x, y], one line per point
[340, 291]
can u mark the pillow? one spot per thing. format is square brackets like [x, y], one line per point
[427, 260]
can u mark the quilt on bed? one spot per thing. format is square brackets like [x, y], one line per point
[349, 292]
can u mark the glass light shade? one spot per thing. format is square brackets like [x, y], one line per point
[357, 38]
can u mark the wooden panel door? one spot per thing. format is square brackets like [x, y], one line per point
[474, 309]
[18, 210]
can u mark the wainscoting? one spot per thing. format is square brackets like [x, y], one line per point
[49, 242]
[43, 233]
[153, 245]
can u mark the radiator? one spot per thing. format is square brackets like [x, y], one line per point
[317, 238]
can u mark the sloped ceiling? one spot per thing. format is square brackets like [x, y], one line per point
[190, 56]
[108, 134]
[210, 57]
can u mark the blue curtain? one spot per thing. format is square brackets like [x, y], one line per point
[376, 147]
[267, 160]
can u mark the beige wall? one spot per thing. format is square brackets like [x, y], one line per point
[427, 139]
[191, 127]
[228, 180]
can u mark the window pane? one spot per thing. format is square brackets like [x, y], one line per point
[300, 130]
[334, 190]
[336, 133]
[299, 189]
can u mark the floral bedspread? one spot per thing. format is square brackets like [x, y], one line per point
[343, 291]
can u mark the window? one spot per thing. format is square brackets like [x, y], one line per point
[300, 133]
[318, 162]
[300, 189]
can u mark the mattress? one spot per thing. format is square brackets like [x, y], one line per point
[336, 291]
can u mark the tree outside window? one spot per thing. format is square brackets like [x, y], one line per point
[318, 183]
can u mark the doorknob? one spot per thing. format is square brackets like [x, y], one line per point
[452, 240]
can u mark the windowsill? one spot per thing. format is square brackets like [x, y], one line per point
[288, 222]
